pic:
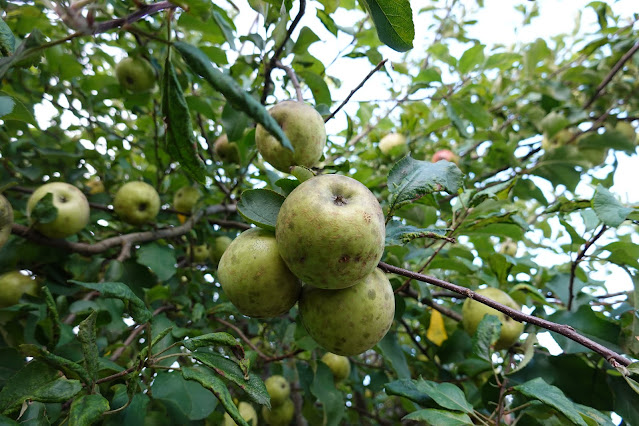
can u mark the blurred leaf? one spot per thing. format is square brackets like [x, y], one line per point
[552, 396]
[260, 207]
[316, 83]
[87, 409]
[392, 352]
[11, 108]
[471, 58]
[458, 123]
[611, 139]
[158, 258]
[44, 210]
[608, 208]
[137, 309]
[436, 332]
[239, 99]
[184, 395]
[225, 27]
[529, 352]
[7, 41]
[332, 400]
[208, 380]
[439, 417]
[488, 332]
[394, 22]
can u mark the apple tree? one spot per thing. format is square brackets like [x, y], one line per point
[498, 175]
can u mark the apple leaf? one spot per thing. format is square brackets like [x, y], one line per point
[260, 207]
[392, 352]
[180, 140]
[187, 395]
[215, 339]
[552, 396]
[608, 209]
[12, 109]
[411, 179]
[394, 22]
[446, 395]
[332, 400]
[433, 416]
[160, 259]
[136, 307]
[44, 211]
[7, 40]
[88, 339]
[398, 234]
[239, 99]
[486, 335]
[87, 409]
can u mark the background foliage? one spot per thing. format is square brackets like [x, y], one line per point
[132, 331]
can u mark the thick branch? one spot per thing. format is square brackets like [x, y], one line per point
[121, 240]
[612, 357]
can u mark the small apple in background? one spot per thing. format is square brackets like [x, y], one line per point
[278, 389]
[255, 278]
[330, 231]
[445, 154]
[73, 210]
[219, 247]
[351, 320]
[473, 312]
[136, 203]
[201, 253]
[95, 185]
[6, 220]
[247, 412]
[13, 285]
[340, 365]
[305, 129]
[280, 415]
[185, 199]
[561, 138]
[135, 74]
[390, 144]
[508, 247]
[627, 130]
[228, 152]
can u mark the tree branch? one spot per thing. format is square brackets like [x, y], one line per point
[580, 256]
[135, 16]
[291, 75]
[612, 357]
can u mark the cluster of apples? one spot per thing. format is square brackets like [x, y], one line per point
[328, 240]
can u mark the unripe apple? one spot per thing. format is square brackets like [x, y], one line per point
[509, 247]
[303, 126]
[13, 285]
[445, 154]
[351, 320]
[201, 253]
[185, 199]
[473, 312]
[278, 389]
[626, 129]
[95, 185]
[219, 247]
[255, 278]
[73, 210]
[340, 365]
[228, 152]
[135, 74]
[389, 143]
[136, 203]
[6, 220]
[247, 412]
[280, 415]
[330, 231]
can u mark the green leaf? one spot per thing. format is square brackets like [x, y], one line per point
[439, 417]
[35, 415]
[474, 112]
[399, 235]
[608, 209]
[471, 58]
[87, 409]
[529, 352]
[260, 207]
[487, 334]
[597, 416]
[444, 394]
[304, 40]
[7, 40]
[392, 352]
[44, 211]
[242, 101]
[38, 382]
[611, 139]
[12, 109]
[88, 339]
[394, 22]
[552, 396]
[624, 254]
[137, 309]
[52, 315]
[134, 414]
[253, 385]
[458, 123]
[158, 258]
[68, 367]
[211, 382]
[332, 400]
[186, 395]
[215, 339]
[179, 138]
[411, 179]
[316, 83]
[225, 27]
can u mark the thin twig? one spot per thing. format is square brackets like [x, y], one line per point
[614, 70]
[291, 75]
[580, 256]
[612, 357]
[359, 86]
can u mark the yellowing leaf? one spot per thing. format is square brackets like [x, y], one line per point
[436, 331]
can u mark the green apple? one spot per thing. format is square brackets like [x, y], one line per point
[508, 247]
[390, 144]
[280, 415]
[13, 285]
[219, 247]
[247, 412]
[228, 152]
[473, 312]
[201, 253]
[278, 389]
[185, 198]
[305, 129]
[627, 130]
[340, 365]
[351, 320]
[445, 154]
[73, 210]
[135, 74]
[6, 219]
[136, 203]
[255, 278]
[330, 231]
